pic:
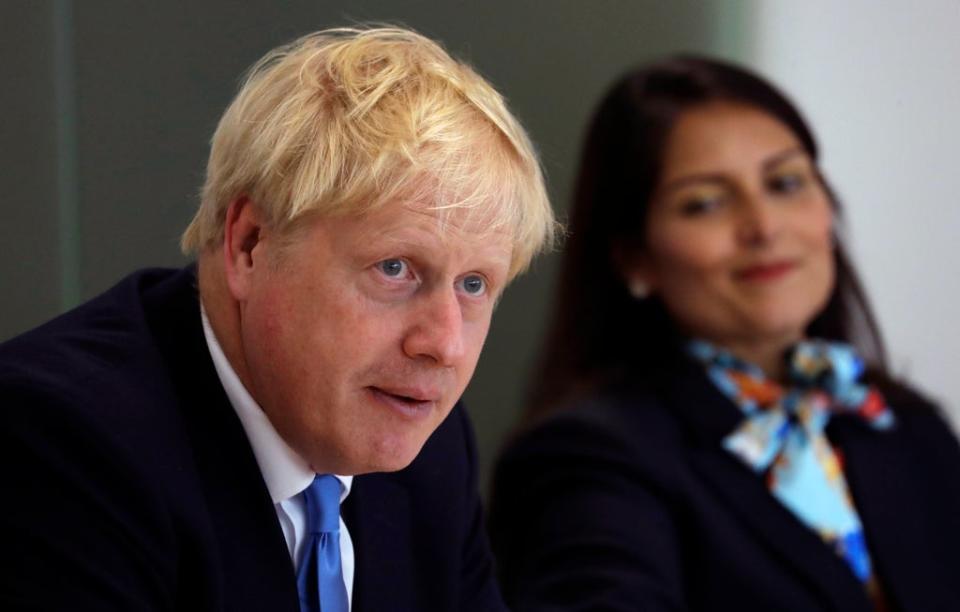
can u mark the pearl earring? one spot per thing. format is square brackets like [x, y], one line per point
[638, 289]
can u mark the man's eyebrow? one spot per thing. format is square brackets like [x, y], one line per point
[406, 237]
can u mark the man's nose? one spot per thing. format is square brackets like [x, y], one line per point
[437, 330]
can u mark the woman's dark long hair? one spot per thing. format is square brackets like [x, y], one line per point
[599, 331]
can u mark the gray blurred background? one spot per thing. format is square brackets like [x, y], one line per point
[107, 108]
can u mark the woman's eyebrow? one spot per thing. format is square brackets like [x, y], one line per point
[691, 179]
[778, 158]
[719, 178]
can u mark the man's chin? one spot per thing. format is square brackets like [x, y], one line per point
[392, 456]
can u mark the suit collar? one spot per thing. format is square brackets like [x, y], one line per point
[383, 572]
[257, 571]
[284, 471]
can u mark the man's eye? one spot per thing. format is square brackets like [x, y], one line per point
[394, 268]
[474, 285]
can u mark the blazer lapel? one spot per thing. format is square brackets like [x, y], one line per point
[888, 488]
[377, 513]
[710, 416]
[256, 570]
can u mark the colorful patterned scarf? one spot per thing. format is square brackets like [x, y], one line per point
[783, 434]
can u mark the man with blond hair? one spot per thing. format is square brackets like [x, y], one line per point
[276, 427]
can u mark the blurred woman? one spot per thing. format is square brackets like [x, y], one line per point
[713, 427]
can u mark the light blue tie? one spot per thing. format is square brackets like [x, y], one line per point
[320, 576]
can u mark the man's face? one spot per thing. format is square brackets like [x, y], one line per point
[360, 336]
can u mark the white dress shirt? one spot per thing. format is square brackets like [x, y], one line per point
[286, 474]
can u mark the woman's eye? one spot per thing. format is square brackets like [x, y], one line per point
[474, 284]
[786, 183]
[694, 206]
[394, 268]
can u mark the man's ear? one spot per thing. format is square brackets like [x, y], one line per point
[242, 234]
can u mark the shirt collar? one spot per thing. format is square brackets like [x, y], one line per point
[285, 472]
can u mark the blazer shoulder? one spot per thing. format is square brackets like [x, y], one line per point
[93, 381]
[916, 412]
[637, 416]
[925, 424]
[582, 504]
[625, 431]
[100, 341]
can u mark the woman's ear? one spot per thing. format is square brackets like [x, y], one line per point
[638, 287]
[635, 270]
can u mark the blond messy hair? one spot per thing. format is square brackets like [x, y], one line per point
[348, 119]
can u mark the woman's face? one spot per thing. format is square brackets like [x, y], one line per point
[738, 239]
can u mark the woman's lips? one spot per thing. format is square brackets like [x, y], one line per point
[408, 403]
[765, 272]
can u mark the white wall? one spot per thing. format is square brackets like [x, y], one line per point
[880, 82]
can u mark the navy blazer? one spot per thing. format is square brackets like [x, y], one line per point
[627, 501]
[131, 485]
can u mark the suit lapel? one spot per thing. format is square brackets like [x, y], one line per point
[710, 416]
[256, 570]
[377, 513]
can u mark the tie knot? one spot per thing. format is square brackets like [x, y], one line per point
[322, 499]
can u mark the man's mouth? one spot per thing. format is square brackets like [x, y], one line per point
[409, 402]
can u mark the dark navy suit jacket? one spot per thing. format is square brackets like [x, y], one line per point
[130, 483]
[627, 501]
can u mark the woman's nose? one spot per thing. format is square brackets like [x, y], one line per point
[759, 220]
